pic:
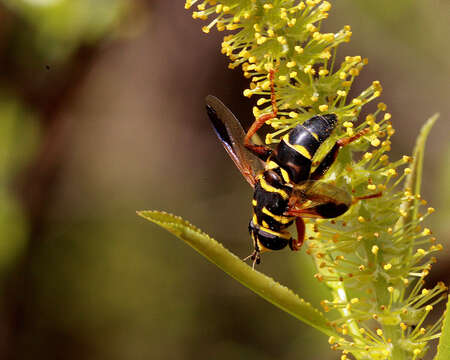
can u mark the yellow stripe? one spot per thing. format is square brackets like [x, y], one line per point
[271, 165]
[255, 219]
[314, 134]
[299, 148]
[285, 175]
[280, 219]
[254, 202]
[265, 224]
[270, 188]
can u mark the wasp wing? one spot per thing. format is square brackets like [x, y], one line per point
[231, 134]
[318, 199]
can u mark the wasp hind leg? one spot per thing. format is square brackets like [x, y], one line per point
[255, 256]
[262, 151]
[295, 245]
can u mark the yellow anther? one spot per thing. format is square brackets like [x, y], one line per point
[354, 300]
[298, 49]
[282, 77]
[382, 106]
[430, 210]
[361, 268]
[375, 142]
[368, 156]
[293, 74]
[293, 114]
[403, 326]
[331, 340]
[341, 93]
[323, 108]
[348, 124]
[375, 249]
[291, 64]
[379, 332]
[407, 171]
[426, 232]
[323, 72]
[372, 187]
[361, 219]
[356, 102]
[247, 92]
[416, 352]
[387, 267]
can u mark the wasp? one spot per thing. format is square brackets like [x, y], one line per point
[286, 189]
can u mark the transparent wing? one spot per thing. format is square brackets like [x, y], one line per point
[318, 199]
[231, 134]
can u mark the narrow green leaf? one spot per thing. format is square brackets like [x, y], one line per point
[413, 181]
[443, 352]
[261, 284]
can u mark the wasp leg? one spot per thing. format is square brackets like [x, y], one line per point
[255, 256]
[371, 196]
[262, 151]
[330, 158]
[296, 245]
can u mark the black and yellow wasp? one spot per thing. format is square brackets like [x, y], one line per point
[285, 188]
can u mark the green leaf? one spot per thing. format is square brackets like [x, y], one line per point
[443, 352]
[261, 284]
[413, 181]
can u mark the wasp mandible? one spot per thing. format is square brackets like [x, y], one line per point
[285, 187]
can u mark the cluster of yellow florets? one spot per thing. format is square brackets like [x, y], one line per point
[376, 251]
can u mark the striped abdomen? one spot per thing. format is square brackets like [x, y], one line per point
[296, 150]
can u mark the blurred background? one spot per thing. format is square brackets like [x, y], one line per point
[102, 114]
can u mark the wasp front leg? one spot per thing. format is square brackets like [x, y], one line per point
[330, 158]
[262, 151]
